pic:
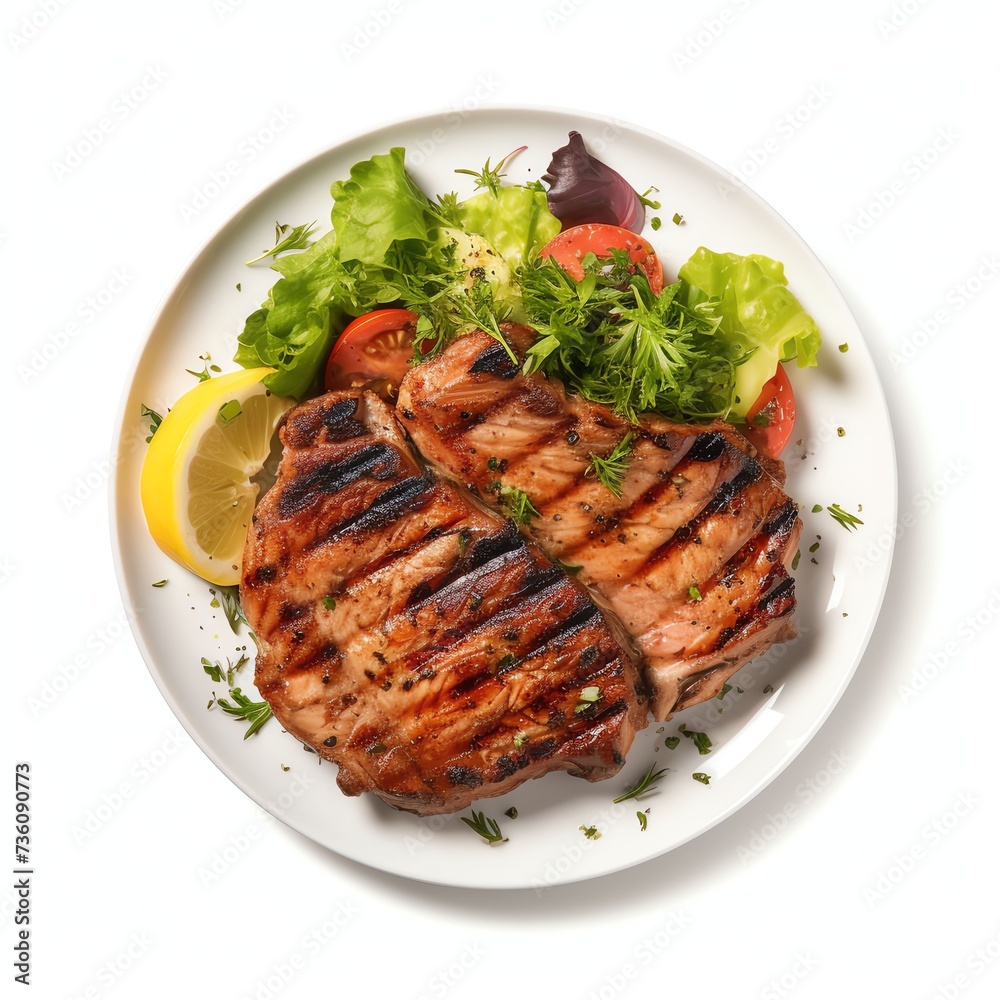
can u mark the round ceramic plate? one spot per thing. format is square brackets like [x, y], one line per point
[777, 702]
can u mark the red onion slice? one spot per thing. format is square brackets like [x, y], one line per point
[582, 189]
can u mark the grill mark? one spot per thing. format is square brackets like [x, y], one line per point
[414, 547]
[560, 632]
[331, 477]
[391, 505]
[763, 610]
[340, 423]
[783, 520]
[723, 496]
[494, 360]
[707, 447]
[786, 588]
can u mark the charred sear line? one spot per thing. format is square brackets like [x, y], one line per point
[494, 361]
[730, 490]
[388, 507]
[340, 423]
[718, 504]
[784, 592]
[375, 460]
[783, 521]
[464, 776]
[707, 447]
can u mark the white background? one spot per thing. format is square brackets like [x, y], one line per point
[868, 868]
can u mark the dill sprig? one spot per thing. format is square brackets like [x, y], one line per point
[843, 518]
[609, 338]
[516, 504]
[285, 240]
[485, 826]
[610, 471]
[644, 784]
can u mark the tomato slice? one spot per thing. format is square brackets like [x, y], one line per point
[772, 417]
[572, 245]
[373, 352]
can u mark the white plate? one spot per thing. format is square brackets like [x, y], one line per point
[755, 734]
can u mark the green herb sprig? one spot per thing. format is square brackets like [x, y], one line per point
[485, 826]
[644, 784]
[285, 240]
[611, 470]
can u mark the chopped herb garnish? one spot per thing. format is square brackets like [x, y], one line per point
[814, 546]
[842, 517]
[229, 411]
[841, 432]
[694, 593]
[241, 707]
[702, 777]
[726, 688]
[566, 567]
[520, 739]
[154, 420]
[701, 740]
[817, 507]
[588, 697]
[768, 688]
[493, 464]
[511, 812]
[842, 348]
[795, 559]
[297, 239]
[641, 816]
[678, 219]
[486, 827]
[655, 222]
[160, 583]
[229, 599]
[489, 177]
[328, 602]
[672, 742]
[590, 832]
[644, 199]
[645, 783]
[610, 471]
[516, 503]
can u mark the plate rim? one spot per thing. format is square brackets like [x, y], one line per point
[171, 290]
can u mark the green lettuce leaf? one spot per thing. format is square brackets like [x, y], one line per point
[515, 220]
[758, 316]
[378, 204]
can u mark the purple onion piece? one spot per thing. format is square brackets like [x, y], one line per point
[582, 189]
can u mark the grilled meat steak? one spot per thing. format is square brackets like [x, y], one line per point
[415, 637]
[694, 555]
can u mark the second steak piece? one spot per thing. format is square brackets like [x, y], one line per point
[415, 638]
[693, 556]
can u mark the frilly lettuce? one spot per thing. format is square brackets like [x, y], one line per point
[758, 315]
[391, 244]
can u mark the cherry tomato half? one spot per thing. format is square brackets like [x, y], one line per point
[772, 417]
[374, 352]
[570, 246]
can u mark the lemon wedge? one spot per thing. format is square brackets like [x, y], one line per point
[197, 483]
